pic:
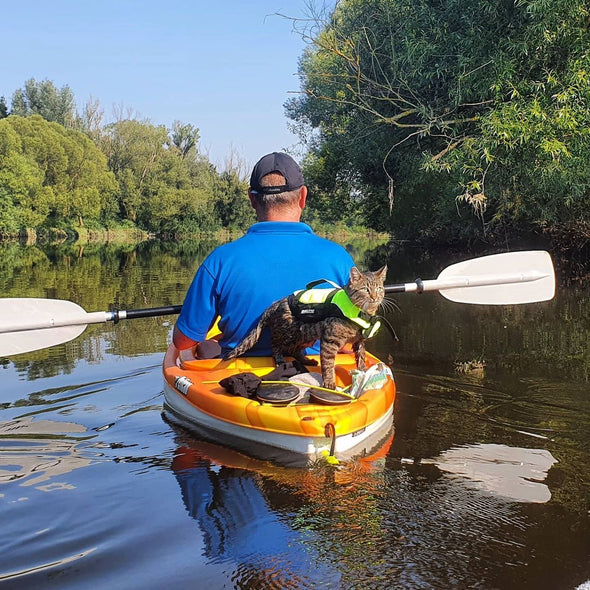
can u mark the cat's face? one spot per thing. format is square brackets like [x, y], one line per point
[366, 290]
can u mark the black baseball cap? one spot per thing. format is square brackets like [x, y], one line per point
[282, 164]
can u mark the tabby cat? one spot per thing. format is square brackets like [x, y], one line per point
[290, 334]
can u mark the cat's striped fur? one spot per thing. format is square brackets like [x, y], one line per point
[290, 336]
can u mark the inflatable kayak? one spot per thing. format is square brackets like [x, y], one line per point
[317, 424]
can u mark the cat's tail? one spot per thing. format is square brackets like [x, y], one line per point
[251, 339]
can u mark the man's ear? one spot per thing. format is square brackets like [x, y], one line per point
[303, 197]
[252, 198]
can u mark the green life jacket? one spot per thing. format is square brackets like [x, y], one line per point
[313, 305]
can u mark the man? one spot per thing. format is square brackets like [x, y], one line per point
[277, 256]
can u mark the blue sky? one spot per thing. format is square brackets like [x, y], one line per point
[225, 66]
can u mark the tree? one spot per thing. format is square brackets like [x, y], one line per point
[43, 98]
[22, 201]
[132, 149]
[91, 120]
[179, 197]
[165, 186]
[232, 206]
[487, 101]
[184, 137]
[3, 108]
[49, 172]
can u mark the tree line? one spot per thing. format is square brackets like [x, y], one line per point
[60, 168]
[449, 118]
[441, 119]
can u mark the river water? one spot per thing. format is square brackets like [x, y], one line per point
[484, 482]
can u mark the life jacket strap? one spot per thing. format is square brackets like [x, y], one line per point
[311, 305]
[320, 281]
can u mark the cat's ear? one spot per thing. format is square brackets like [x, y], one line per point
[355, 274]
[382, 272]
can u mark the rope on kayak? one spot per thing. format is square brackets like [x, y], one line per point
[330, 431]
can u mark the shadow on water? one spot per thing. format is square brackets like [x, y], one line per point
[484, 485]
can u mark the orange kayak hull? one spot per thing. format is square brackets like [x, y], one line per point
[194, 397]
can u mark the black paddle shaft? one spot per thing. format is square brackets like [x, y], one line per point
[400, 288]
[150, 312]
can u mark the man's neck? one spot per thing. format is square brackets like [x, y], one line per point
[280, 214]
[271, 217]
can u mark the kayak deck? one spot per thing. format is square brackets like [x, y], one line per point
[193, 396]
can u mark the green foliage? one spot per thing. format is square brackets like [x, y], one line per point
[20, 182]
[184, 137]
[232, 206]
[334, 194]
[3, 108]
[132, 149]
[59, 169]
[530, 157]
[130, 171]
[165, 187]
[47, 171]
[425, 100]
[43, 98]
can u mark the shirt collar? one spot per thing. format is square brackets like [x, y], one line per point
[290, 227]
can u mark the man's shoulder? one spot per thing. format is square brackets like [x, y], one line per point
[326, 242]
[223, 249]
[327, 245]
[259, 236]
[237, 249]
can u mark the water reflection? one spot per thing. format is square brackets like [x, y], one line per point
[510, 472]
[263, 517]
[379, 523]
[374, 522]
[102, 277]
[35, 453]
[549, 338]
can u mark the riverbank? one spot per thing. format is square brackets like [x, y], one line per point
[81, 235]
[124, 235]
[563, 241]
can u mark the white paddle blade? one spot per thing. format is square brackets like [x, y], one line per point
[500, 279]
[28, 324]
[19, 342]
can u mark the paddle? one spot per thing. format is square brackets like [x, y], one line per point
[499, 279]
[516, 277]
[31, 324]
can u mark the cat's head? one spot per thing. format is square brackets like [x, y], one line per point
[366, 289]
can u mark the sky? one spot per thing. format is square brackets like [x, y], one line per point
[225, 66]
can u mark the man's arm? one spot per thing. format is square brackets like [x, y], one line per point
[180, 341]
[198, 310]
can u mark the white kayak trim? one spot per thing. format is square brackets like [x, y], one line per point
[182, 411]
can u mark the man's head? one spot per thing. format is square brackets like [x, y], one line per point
[277, 189]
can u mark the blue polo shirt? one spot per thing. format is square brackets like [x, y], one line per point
[239, 280]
